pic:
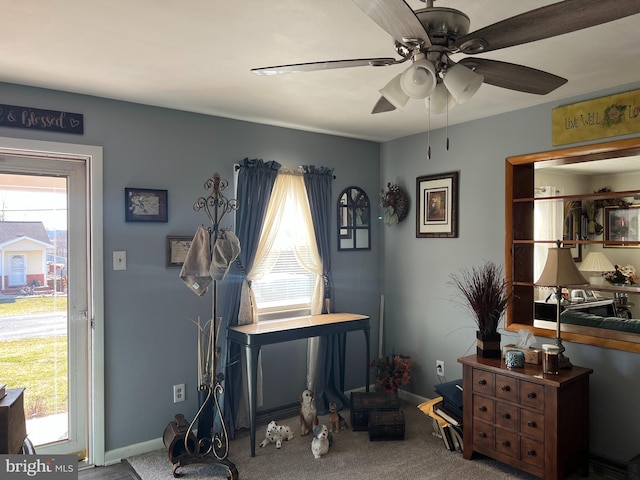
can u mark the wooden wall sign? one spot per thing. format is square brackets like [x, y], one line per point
[602, 117]
[38, 119]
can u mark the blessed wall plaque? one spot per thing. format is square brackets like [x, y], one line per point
[38, 119]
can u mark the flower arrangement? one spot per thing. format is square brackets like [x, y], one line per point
[395, 203]
[622, 275]
[487, 293]
[392, 372]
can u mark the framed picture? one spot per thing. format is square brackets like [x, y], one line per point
[621, 226]
[572, 230]
[177, 248]
[437, 199]
[145, 205]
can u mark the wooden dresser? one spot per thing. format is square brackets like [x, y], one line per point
[532, 421]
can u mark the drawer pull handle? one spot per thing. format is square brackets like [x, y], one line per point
[482, 382]
[506, 416]
[482, 408]
[505, 388]
[505, 443]
[531, 395]
[531, 424]
[531, 453]
[482, 435]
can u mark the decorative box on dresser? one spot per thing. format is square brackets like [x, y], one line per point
[532, 421]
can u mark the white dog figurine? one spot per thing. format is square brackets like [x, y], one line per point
[321, 441]
[308, 413]
[276, 434]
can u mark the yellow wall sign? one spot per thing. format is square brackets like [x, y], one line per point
[600, 118]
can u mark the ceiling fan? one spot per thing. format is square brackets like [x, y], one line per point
[429, 36]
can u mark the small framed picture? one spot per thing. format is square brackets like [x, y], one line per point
[622, 227]
[437, 212]
[145, 205]
[177, 248]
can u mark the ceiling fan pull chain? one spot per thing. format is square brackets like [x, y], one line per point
[447, 125]
[429, 131]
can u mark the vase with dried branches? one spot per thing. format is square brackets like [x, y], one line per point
[487, 294]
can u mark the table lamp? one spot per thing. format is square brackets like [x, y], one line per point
[560, 271]
[596, 262]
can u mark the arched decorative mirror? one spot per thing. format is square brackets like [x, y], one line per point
[354, 220]
[588, 197]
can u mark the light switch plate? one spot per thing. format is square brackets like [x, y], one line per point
[120, 260]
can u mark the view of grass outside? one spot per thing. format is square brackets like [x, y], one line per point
[37, 364]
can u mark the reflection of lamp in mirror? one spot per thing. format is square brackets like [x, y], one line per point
[596, 263]
[560, 271]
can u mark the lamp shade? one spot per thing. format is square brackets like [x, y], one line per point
[419, 80]
[596, 262]
[440, 100]
[393, 92]
[462, 82]
[560, 270]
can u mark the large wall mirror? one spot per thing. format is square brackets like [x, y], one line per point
[589, 198]
[354, 220]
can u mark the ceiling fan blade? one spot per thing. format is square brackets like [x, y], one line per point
[397, 19]
[328, 65]
[383, 105]
[514, 77]
[545, 22]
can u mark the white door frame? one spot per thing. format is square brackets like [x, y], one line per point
[93, 158]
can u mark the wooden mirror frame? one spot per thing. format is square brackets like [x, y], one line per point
[519, 184]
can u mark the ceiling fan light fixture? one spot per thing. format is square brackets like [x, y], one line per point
[440, 100]
[393, 92]
[462, 82]
[419, 80]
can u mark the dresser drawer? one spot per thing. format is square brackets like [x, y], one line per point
[507, 416]
[531, 423]
[483, 435]
[532, 395]
[483, 408]
[507, 442]
[506, 388]
[532, 451]
[484, 382]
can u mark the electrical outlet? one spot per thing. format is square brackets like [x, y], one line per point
[440, 368]
[178, 393]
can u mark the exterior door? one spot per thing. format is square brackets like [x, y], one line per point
[56, 191]
[17, 272]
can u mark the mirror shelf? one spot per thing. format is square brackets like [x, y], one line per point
[523, 175]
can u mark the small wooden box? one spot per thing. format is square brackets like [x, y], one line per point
[531, 355]
[362, 403]
[13, 427]
[386, 425]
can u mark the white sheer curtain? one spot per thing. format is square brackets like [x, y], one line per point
[548, 225]
[288, 200]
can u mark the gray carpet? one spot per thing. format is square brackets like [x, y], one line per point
[352, 456]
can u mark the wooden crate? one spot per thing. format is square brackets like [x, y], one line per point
[386, 425]
[362, 403]
[13, 427]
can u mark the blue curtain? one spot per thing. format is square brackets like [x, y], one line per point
[255, 183]
[331, 349]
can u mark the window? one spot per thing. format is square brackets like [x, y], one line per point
[287, 274]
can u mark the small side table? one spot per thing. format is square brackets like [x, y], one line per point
[13, 427]
[623, 309]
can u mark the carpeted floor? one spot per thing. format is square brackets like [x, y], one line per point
[352, 456]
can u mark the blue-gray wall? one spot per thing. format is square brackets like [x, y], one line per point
[149, 342]
[423, 315]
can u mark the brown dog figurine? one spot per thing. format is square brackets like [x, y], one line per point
[308, 413]
[336, 421]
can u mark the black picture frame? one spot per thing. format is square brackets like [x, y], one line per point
[177, 247]
[437, 206]
[145, 205]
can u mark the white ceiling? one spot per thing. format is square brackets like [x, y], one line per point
[195, 55]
